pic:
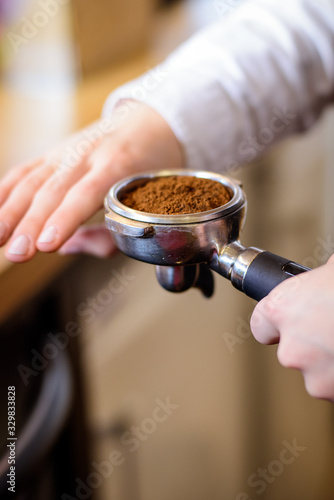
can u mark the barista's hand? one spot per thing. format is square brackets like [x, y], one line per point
[43, 202]
[299, 314]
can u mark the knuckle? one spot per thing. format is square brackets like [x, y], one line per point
[55, 184]
[287, 355]
[32, 181]
[49, 191]
[269, 308]
[257, 321]
[284, 356]
[90, 188]
[20, 170]
[39, 200]
[317, 387]
[276, 314]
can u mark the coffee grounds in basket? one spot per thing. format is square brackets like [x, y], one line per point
[177, 195]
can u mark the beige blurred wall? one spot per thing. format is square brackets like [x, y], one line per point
[107, 31]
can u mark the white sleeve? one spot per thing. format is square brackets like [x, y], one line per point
[233, 89]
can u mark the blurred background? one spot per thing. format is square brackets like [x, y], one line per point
[141, 394]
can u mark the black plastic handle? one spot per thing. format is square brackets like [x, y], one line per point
[266, 271]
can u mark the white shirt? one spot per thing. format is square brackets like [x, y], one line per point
[233, 89]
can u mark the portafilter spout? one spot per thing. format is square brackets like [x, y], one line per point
[181, 278]
[186, 247]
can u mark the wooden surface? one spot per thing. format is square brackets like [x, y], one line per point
[124, 28]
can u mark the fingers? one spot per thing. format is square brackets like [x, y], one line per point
[271, 313]
[81, 202]
[38, 213]
[299, 351]
[295, 351]
[263, 328]
[19, 199]
[35, 198]
[31, 192]
[14, 176]
[319, 383]
[49, 203]
[92, 240]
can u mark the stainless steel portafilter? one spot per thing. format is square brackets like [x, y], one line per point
[185, 248]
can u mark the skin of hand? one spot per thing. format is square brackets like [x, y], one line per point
[43, 202]
[299, 315]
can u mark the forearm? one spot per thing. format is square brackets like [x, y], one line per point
[245, 82]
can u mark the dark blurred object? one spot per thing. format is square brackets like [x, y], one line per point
[108, 30]
[38, 437]
[50, 423]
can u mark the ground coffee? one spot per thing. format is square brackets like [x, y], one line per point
[177, 195]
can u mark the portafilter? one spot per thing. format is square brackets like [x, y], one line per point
[186, 247]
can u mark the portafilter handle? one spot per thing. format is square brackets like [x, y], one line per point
[252, 270]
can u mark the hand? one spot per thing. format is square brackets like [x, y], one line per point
[43, 202]
[299, 315]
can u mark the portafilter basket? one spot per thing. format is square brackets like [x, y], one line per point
[185, 247]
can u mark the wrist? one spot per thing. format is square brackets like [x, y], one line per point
[147, 136]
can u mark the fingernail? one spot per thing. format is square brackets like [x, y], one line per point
[20, 245]
[48, 235]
